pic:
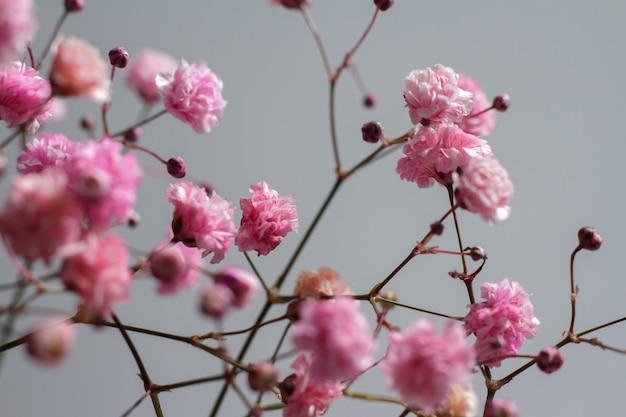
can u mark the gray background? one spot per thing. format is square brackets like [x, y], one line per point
[561, 142]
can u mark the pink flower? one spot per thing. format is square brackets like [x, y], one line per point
[303, 394]
[266, 219]
[424, 366]
[242, 283]
[79, 70]
[338, 334]
[97, 268]
[105, 180]
[502, 321]
[485, 188]
[143, 70]
[292, 4]
[484, 123]
[175, 266]
[24, 96]
[193, 94]
[433, 95]
[47, 150]
[40, 215]
[17, 27]
[51, 341]
[501, 407]
[320, 282]
[434, 154]
[200, 221]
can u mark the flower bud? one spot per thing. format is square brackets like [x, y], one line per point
[369, 101]
[133, 135]
[243, 284]
[88, 123]
[74, 5]
[477, 253]
[287, 387]
[501, 102]
[383, 5]
[371, 132]
[176, 167]
[437, 228]
[589, 238]
[263, 376]
[119, 57]
[500, 407]
[293, 310]
[293, 4]
[166, 264]
[389, 295]
[51, 341]
[549, 359]
[216, 300]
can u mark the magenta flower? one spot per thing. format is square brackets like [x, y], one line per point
[142, 72]
[47, 150]
[17, 27]
[433, 95]
[484, 123]
[485, 188]
[24, 96]
[40, 215]
[51, 341]
[434, 154]
[266, 219]
[175, 266]
[200, 221]
[105, 180]
[502, 321]
[305, 395]
[97, 268]
[193, 95]
[423, 366]
[338, 334]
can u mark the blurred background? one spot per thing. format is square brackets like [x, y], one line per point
[562, 62]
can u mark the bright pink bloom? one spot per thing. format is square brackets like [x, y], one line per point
[97, 268]
[40, 215]
[17, 27]
[303, 394]
[266, 219]
[502, 321]
[433, 95]
[175, 266]
[423, 366]
[105, 180]
[51, 341]
[47, 150]
[79, 70]
[24, 96]
[484, 123]
[193, 94]
[435, 154]
[484, 188]
[142, 72]
[202, 221]
[242, 283]
[292, 4]
[338, 334]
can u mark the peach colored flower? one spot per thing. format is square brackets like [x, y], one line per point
[320, 282]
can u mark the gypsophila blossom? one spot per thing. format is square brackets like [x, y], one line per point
[78, 69]
[338, 334]
[423, 365]
[105, 180]
[40, 215]
[17, 27]
[175, 266]
[96, 267]
[193, 95]
[501, 407]
[242, 283]
[433, 96]
[320, 283]
[202, 221]
[305, 395]
[266, 218]
[460, 402]
[502, 321]
[45, 151]
[24, 96]
[434, 154]
[478, 122]
[51, 341]
[142, 72]
[216, 300]
[484, 188]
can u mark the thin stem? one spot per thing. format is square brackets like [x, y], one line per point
[139, 124]
[333, 126]
[142, 370]
[318, 40]
[378, 287]
[468, 284]
[136, 404]
[434, 313]
[220, 335]
[573, 290]
[371, 157]
[53, 36]
[8, 140]
[257, 273]
[7, 326]
[170, 387]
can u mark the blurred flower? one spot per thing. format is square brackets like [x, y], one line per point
[51, 341]
[460, 402]
[320, 282]
[501, 407]
[17, 27]
[216, 300]
[46, 150]
[242, 283]
[142, 72]
[175, 266]
[485, 122]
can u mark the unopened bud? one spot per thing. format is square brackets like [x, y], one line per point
[500, 407]
[263, 376]
[51, 341]
[176, 167]
[88, 123]
[369, 101]
[549, 359]
[119, 57]
[167, 263]
[216, 300]
[287, 388]
[437, 228]
[74, 5]
[501, 102]
[371, 132]
[589, 238]
[383, 5]
[477, 253]
[388, 295]
[133, 135]
[293, 309]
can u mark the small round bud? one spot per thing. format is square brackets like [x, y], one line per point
[287, 388]
[383, 4]
[294, 4]
[389, 295]
[371, 132]
[176, 167]
[216, 300]
[119, 57]
[589, 238]
[51, 341]
[74, 5]
[477, 253]
[88, 123]
[437, 228]
[501, 102]
[293, 310]
[133, 135]
[263, 376]
[500, 407]
[133, 220]
[166, 264]
[242, 283]
[369, 101]
[549, 359]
